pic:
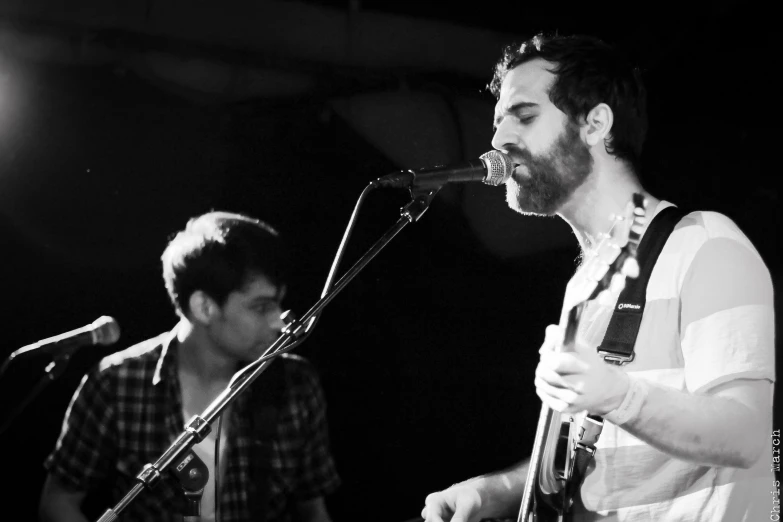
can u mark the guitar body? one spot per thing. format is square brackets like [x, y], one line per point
[543, 512]
[548, 502]
[550, 499]
[554, 465]
[548, 492]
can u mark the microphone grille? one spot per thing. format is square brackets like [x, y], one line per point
[499, 167]
[107, 331]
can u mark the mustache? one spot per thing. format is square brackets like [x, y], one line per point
[519, 156]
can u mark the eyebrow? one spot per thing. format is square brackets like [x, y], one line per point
[514, 108]
[264, 298]
[278, 296]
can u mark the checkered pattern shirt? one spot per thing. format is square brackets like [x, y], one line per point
[128, 410]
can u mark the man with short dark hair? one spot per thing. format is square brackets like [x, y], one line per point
[687, 420]
[225, 276]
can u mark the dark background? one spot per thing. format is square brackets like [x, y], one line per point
[427, 356]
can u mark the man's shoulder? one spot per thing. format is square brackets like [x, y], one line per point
[300, 373]
[712, 245]
[709, 224]
[143, 354]
[713, 235]
[297, 365]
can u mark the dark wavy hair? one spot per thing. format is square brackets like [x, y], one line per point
[588, 72]
[218, 253]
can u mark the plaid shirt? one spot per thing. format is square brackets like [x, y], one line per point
[128, 411]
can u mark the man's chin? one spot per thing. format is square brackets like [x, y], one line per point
[251, 355]
[520, 202]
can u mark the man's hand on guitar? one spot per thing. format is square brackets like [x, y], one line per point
[576, 381]
[459, 503]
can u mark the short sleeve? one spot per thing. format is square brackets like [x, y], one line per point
[85, 449]
[727, 315]
[318, 475]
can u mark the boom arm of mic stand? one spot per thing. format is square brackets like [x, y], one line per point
[199, 426]
[410, 213]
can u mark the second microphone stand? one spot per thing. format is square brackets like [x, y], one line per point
[52, 371]
[199, 426]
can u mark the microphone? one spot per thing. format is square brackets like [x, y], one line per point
[492, 168]
[103, 330]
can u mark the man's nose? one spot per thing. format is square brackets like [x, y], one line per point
[505, 136]
[276, 321]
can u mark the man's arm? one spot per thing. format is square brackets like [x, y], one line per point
[721, 427]
[311, 510]
[317, 476]
[60, 503]
[487, 496]
[724, 427]
[83, 453]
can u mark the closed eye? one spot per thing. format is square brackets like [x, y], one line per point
[523, 120]
[266, 306]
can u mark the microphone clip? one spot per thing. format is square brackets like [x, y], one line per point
[420, 202]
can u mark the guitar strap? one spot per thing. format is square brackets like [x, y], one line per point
[620, 338]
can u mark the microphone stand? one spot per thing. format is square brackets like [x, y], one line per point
[52, 370]
[193, 476]
[199, 426]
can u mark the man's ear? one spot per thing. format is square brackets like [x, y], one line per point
[202, 307]
[598, 124]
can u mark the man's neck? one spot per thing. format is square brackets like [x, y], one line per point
[200, 358]
[604, 196]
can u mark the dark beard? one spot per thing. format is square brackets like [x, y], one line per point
[553, 176]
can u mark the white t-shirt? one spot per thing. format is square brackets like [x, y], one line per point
[206, 452]
[708, 319]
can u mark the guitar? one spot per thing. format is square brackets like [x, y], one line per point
[549, 491]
